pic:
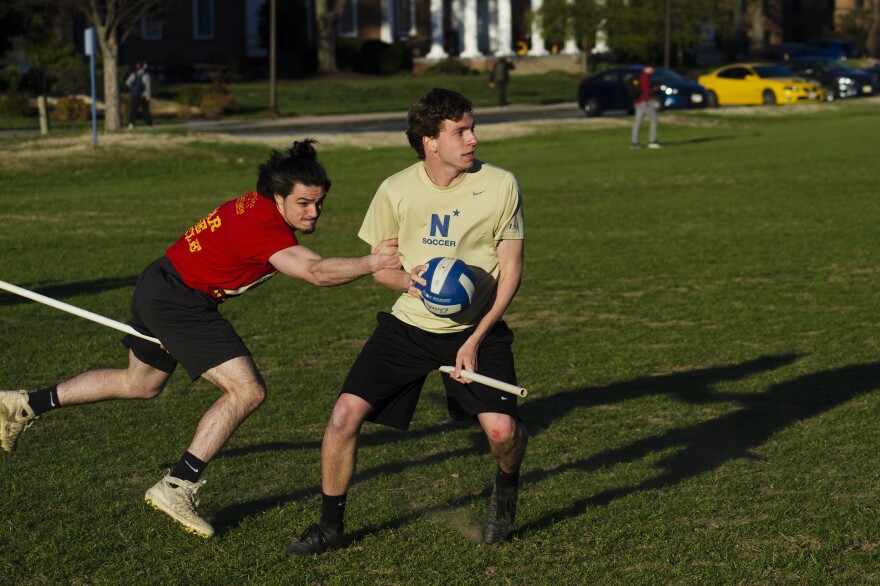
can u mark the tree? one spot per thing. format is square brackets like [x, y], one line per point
[756, 38]
[587, 17]
[636, 29]
[59, 70]
[327, 14]
[559, 20]
[873, 43]
[114, 21]
[862, 25]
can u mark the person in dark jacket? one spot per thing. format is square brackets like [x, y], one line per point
[140, 86]
[500, 77]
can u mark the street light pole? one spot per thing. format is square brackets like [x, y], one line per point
[273, 90]
[667, 40]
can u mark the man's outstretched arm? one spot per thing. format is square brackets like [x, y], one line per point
[300, 262]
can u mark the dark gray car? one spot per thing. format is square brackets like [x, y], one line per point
[839, 79]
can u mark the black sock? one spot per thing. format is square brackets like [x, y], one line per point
[44, 400]
[332, 510]
[505, 480]
[189, 468]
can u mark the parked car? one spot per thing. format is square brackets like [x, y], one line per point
[835, 48]
[758, 83]
[874, 72]
[611, 90]
[838, 78]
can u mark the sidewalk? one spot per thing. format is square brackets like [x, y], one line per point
[372, 121]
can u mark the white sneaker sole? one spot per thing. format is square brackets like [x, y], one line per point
[189, 528]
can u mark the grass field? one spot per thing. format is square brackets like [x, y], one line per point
[697, 327]
[339, 95]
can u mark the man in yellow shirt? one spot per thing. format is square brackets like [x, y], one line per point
[448, 204]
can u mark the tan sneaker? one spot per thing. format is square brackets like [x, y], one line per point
[177, 498]
[16, 416]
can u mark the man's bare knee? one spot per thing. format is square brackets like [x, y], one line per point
[346, 419]
[144, 390]
[251, 396]
[505, 432]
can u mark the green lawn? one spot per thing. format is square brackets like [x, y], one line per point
[342, 95]
[697, 327]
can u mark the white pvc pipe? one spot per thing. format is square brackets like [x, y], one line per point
[106, 321]
[473, 376]
[488, 381]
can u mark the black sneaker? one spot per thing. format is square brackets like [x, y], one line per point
[316, 539]
[500, 515]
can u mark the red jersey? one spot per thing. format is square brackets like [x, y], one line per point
[646, 92]
[228, 252]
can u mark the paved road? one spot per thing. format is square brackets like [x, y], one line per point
[375, 121]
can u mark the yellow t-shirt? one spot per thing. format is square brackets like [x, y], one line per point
[465, 221]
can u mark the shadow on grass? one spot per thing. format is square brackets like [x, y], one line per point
[65, 290]
[700, 448]
[700, 140]
[708, 445]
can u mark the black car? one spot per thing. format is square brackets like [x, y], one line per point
[874, 72]
[839, 79]
[612, 90]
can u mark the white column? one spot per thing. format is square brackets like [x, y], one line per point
[601, 39]
[471, 48]
[505, 28]
[436, 51]
[385, 33]
[537, 49]
[570, 44]
[456, 24]
[492, 29]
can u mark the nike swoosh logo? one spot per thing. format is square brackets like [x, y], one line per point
[504, 398]
[476, 193]
[51, 399]
[190, 466]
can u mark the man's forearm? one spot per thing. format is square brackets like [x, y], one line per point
[332, 271]
[394, 279]
[504, 295]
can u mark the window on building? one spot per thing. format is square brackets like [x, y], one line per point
[405, 17]
[348, 24]
[151, 28]
[203, 19]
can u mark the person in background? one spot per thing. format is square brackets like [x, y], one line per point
[141, 88]
[500, 77]
[645, 104]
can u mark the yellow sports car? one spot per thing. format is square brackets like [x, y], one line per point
[758, 83]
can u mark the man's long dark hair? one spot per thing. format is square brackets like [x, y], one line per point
[299, 164]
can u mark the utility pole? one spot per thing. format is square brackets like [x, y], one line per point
[667, 40]
[273, 90]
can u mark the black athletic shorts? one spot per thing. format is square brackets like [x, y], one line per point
[395, 361]
[186, 321]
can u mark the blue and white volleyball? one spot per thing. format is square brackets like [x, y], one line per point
[450, 286]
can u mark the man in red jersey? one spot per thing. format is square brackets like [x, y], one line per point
[237, 246]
